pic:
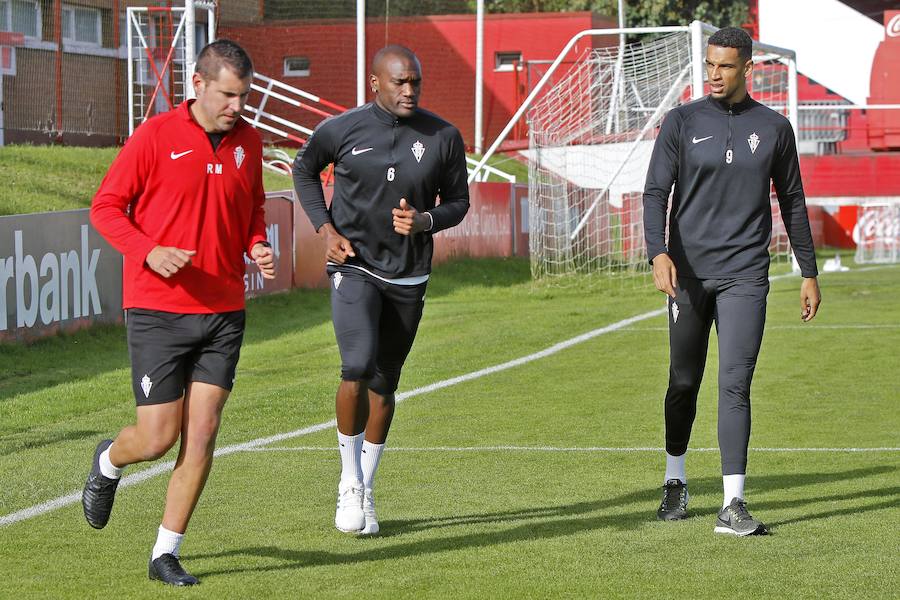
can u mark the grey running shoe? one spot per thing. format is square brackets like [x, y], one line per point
[99, 492]
[737, 520]
[674, 501]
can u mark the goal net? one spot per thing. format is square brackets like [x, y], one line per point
[590, 140]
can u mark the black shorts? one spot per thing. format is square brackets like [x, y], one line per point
[375, 323]
[169, 350]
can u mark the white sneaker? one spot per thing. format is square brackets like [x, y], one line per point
[349, 515]
[371, 527]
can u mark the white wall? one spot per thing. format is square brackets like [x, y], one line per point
[835, 45]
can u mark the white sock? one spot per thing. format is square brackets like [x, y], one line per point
[675, 467]
[351, 448]
[109, 470]
[734, 488]
[371, 455]
[167, 542]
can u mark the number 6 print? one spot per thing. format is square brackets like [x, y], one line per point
[390, 173]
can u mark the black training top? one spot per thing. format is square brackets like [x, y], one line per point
[721, 160]
[379, 159]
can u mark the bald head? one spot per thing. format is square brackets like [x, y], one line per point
[396, 79]
[383, 58]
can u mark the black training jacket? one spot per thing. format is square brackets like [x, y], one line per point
[379, 159]
[721, 160]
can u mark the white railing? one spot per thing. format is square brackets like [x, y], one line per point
[487, 171]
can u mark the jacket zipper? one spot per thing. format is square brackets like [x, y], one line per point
[729, 151]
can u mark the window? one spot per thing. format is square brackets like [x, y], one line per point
[81, 25]
[296, 66]
[505, 61]
[200, 37]
[23, 16]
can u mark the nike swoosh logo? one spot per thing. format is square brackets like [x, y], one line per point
[354, 152]
[697, 141]
[174, 156]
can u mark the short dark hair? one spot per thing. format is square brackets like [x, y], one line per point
[733, 37]
[223, 53]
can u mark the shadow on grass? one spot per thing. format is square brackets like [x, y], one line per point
[10, 444]
[549, 522]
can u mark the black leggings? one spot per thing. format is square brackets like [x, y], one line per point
[375, 324]
[738, 307]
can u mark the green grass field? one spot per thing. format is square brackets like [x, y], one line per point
[30, 185]
[530, 482]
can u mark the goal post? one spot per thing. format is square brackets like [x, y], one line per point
[591, 135]
[161, 54]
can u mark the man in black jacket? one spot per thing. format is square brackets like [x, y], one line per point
[391, 160]
[722, 153]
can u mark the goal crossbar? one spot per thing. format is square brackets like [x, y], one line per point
[697, 30]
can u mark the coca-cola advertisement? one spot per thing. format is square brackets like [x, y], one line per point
[877, 233]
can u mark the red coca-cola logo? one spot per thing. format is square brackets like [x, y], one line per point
[878, 225]
[893, 26]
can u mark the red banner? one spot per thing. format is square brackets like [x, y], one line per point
[486, 230]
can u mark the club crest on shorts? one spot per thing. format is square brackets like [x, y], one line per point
[674, 312]
[753, 140]
[418, 149]
[146, 384]
[337, 280]
[239, 156]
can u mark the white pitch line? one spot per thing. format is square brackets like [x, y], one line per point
[73, 497]
[563, 449]
[778, 327]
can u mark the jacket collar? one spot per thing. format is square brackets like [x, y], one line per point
[388, 118]
[736, 108]
[184, 112]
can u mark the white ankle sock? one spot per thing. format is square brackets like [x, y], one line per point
[675, 467]
[109, 470]
[371, 455]
[167, 542]
[734, 488]
[351, 448]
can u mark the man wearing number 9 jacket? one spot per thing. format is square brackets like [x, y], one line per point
[391, 162]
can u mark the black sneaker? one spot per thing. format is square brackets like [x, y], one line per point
[167, 569]
[99, 492]
[674, 501]
[737, 520]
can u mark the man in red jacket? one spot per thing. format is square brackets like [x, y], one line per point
[183, 202]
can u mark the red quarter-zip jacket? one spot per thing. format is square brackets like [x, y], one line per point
[168, 187]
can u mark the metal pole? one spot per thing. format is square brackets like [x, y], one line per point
[697, 64]
[130, 24]
[479, 77]
[360, 52]
[621, 26]
[793, 115]
[211, 24]
[190, 48]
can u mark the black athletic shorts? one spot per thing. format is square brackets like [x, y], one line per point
[169, 350]
[375, 324]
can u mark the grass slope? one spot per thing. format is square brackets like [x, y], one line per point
[475, 523]
[53, 178]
